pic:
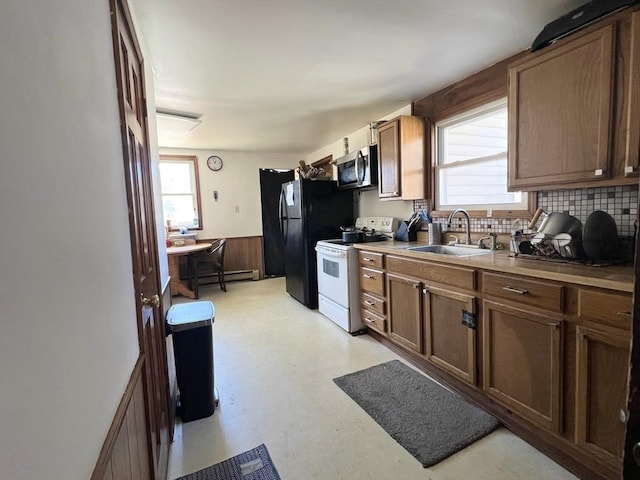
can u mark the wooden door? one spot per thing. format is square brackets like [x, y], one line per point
[134, 130]
[602, 356]
[450, 331]
[559, 112]
[522, 362]
[405, 311]
[389, 160]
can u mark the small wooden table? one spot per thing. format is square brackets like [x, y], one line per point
[178, 287]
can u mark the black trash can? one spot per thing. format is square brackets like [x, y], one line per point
[191, 325]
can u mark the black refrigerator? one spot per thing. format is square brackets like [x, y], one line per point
[271, 181]
[310, 210]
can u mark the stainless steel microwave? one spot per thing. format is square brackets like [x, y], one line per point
[358, 169]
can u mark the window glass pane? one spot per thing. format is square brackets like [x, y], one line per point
[175, 177]
[471, 161]
[179, 209]
[477, 184]
[477, 137]
[180, 191]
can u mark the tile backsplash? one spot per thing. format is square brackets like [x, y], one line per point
[619, 202]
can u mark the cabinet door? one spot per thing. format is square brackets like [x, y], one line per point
[389, 159]
[601, 392]
[632, 155]
[521, 362]
[559, 112]
[450, 331]
[405, 312]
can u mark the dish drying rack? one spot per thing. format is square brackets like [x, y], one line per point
[537, 246]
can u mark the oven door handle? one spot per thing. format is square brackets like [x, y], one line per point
[331, 254]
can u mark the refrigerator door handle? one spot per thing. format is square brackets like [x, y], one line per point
[283, 219]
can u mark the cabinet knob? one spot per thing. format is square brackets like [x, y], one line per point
[623, 415]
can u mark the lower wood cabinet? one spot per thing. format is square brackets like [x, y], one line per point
[522, 362]
[601, 392]
[450, 331]
[405, 311]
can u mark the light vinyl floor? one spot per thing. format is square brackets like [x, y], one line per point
[274, 364]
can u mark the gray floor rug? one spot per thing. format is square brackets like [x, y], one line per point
[254, 464]
[430, 422]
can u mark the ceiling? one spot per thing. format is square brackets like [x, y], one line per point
[296, 75]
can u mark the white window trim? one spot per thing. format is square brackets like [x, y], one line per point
[195, 180]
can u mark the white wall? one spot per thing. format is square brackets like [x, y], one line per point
[369, 204]
[69, 339]
[238, 185]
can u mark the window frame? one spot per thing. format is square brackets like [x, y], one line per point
[460, 111]
[194, 161]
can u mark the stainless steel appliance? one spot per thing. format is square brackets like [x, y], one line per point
[310, 210]
[358, 169]
[338, 279]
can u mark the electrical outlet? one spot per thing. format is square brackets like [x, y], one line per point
[237, 208]
[215, 195]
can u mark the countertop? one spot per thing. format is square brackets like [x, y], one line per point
[616, 277]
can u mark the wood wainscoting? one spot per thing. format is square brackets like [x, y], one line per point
[126, 452]
[243, 260]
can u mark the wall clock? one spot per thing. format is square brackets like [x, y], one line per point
[214, 163]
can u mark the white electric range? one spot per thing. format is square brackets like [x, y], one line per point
[338, 279]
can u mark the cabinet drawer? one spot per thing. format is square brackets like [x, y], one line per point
[373, 320]
[433, 272]
[373, 303]
[369, 259]
[372, 281]
[528, 292]
[604, 307]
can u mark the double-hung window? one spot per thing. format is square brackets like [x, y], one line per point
[180, 191]
[471, 161]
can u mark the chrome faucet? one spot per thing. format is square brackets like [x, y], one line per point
[466, 216]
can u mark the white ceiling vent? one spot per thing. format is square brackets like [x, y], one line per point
[176, 124]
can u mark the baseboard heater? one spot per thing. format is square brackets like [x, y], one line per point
[230, 276]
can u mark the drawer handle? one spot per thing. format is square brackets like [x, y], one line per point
[368, 276]
[367, 302]
[368, 320]
[368, 259]
[625, 314]
[515, 290]
[554, 324]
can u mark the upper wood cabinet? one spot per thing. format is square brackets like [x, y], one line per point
[573, 109]
[401, 159]
[559, 112]
[632, 142]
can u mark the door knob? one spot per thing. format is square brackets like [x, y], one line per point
[154, 301]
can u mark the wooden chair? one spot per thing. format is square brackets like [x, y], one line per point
[207, 263]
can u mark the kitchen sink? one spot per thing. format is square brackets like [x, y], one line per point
[456, 250]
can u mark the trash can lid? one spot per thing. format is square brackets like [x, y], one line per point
[186, 316]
